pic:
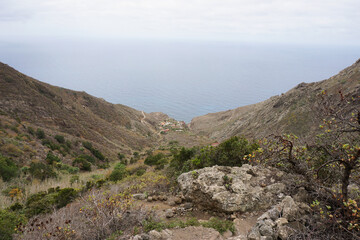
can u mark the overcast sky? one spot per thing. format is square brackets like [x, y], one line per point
[290, 21]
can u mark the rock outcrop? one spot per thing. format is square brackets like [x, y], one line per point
[281, 221]
[233, 189]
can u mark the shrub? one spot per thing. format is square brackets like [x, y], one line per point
[118, 173]
[45, 202]
[8, 168]
[67, 168]
[41, 171]
[74, 179]
[60, 139]
[51, 158]
[88, 158]
[121, 156]
[31, 130]
[94, 151]
[40, 134]
[65, 196]
[82, 164]
[8, 222]
[155, 159]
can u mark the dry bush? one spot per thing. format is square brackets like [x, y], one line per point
[94, 216]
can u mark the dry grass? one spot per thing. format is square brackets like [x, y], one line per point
[95, 215]
[35, 186]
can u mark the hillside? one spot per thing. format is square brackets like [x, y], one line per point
[292, 112]
[113, 127]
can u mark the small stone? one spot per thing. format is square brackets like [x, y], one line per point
[177, 200]
[169, 213]
[274, 213]
[284, 232]
[254, 234]
[188, 205]
[139, 196]
[171, 203]
[266, 230]
[155, 235]
[281, 221]
[227, 234]
[149, 199]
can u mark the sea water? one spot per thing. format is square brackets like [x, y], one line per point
[183, 79]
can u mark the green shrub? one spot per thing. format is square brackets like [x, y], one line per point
[94, 151]
[121, 156]
[87, 145]
[157, 159]
[39, 203]
[118, 173]
[40, 134]
[60, 139]
[41, 171]
[50, 144]
[67, 168]
[65, 196]
[45, 202]
[88, 158]
[8, 169]
[220, 225]
[82, 164]
[74, 179]
[31, 130]
[51, 158]
[8, 222]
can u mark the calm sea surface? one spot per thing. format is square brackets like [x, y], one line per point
[182, 79]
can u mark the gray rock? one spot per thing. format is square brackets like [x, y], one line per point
[227, 234]
[169, 213]
[155, 235]
[139, 196]
[188, 205]
[290, 209]
[208, 189]
[284, 232]
[266, 230]
[254, 234]
[281, 221]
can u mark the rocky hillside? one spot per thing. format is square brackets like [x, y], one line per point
[78, 114]
[292, 112]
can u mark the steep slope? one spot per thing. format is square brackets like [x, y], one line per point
[79, 114]
[292, 112]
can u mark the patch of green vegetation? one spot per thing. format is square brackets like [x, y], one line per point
[82, 164]
[229, 153]
[94, 151]
[9, 220]
[40, 134]
[45, 202]
[41, 171]
[8, 169]
[51, 158]
[60, 139]
[118, 173]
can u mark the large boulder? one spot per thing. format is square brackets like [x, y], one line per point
[233, 189]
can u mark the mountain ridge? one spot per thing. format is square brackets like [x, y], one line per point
[290, 112]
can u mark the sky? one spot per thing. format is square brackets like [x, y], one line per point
[275, 21]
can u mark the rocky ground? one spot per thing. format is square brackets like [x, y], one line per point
[255, 199]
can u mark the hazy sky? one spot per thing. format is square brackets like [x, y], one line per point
[290, 21]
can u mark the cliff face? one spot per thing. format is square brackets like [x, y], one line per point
[292, 112]
[71, 112]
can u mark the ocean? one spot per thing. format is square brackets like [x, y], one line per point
[183, 79]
